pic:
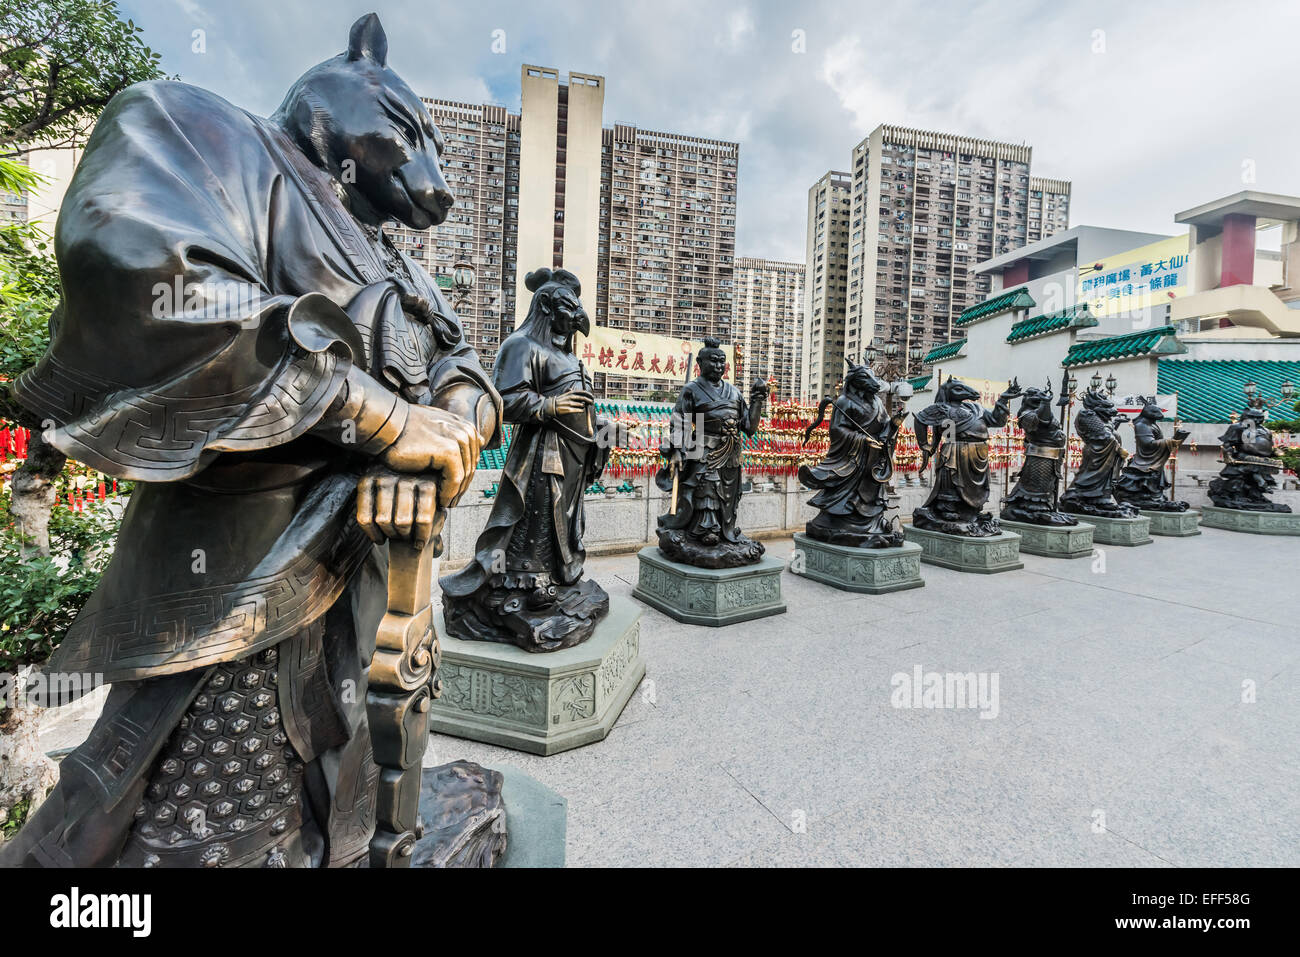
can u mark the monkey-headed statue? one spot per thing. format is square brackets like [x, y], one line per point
[1250, 464]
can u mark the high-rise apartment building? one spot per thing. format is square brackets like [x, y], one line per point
[646, 220]
[667, 237]
[826, 277]
[559, 176]
[767, 327]
[926, 207]
[1049, 208]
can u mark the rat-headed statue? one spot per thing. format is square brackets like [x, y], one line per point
[702, 473]
[290, 394]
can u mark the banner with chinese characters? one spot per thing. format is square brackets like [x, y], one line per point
[641, 354]
[1137, 280]
[989, 389]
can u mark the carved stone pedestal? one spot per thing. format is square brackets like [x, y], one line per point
[1119, 531]
[540, 702]
[1175, 524]
[1256, 523]
[709, 596]
[1053, 541]
[964, 553]
[873, 571]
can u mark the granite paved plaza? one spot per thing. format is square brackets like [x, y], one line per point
[1121, 739]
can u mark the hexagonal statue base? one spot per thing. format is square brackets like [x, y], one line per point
[540, 702]
[873, 571]
[1175, 524]
[966, 553]
[1053, 541]
[709, 596]
[1118, 531]
[1256, 523]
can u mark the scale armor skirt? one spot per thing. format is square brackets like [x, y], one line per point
[227, 789]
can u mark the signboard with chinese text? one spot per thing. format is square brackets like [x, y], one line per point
[641, 354]
[1136, 280]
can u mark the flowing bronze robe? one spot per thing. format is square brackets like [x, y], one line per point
[537, 519]
[852, 479]
[1103, 459]
[962, 476]
[1143, 478]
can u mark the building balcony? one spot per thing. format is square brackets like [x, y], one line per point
[1256, 307]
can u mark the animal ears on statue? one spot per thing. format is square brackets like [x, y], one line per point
[368, 41]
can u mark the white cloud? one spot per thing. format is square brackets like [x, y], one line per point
[845, 70]
[1186, 90]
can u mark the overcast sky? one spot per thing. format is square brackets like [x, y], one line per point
[1148, 107]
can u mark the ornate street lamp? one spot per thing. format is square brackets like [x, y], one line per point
[1074, 384]
[915, 352]
[1096, 382]
[871, 352]
[1250, 389]
[1111, 384]
[462, 280]
[1288, 389]
[891, 349]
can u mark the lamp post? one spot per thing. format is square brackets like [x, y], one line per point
[914, 355]
[890, 352]
[1257, 401]
[1071, 390]
[462, 281]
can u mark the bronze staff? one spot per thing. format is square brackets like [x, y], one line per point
[401, 689]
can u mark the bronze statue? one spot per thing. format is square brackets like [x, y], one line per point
[1092, 491]
[1250, 463]
[1143, 482]
[853, 478]
[960, 438]
[289, 391]
[1034, 498]
[702, 475]
[525, 583]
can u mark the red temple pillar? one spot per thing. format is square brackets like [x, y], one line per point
[1238, 262]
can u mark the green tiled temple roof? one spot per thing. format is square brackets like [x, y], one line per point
[1209, 390]
[1159, 341]
[920, 382]
[1076, 317]
[945, 351]
[1015, 299]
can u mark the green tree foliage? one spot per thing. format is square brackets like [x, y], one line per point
[61, 61]
[29, 285]
[40, 595]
